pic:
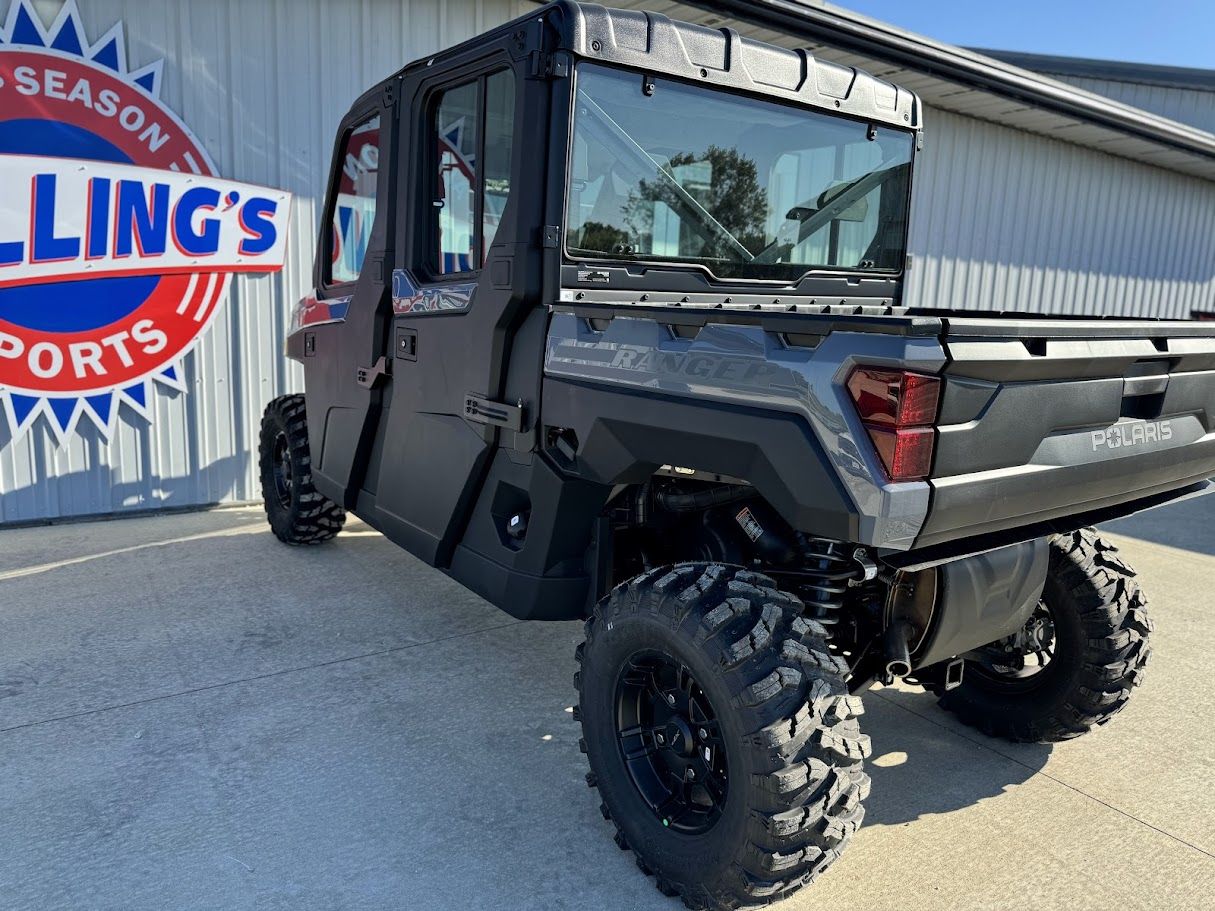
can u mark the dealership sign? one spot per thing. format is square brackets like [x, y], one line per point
[118, 239]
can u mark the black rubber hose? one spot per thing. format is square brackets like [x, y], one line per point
[703, 499]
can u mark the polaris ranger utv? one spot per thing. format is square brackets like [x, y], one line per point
[608, 325]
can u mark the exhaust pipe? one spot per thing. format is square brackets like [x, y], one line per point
[898, 657]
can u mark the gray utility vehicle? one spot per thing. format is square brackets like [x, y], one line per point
[608, 325]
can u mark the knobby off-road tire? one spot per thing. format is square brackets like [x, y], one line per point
[793, 748]
[1101, 649]
[296, 512]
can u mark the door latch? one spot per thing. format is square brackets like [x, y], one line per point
[367, 377]
[407, 344]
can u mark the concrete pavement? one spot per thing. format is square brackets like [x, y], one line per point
[195, 716]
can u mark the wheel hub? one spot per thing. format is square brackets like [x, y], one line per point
[670, 741]
[1024, 654]
[284, 478]
[679, 737]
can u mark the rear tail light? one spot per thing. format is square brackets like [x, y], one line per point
[906, 452]
[898, 409]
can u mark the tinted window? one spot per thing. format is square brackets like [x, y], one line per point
[746, 187]
[499, 134]
[472, 122]
[456, 135]
[354, 207]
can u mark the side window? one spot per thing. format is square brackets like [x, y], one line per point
[354, 205]
[499, 134]
[456, 135]
[473, 127]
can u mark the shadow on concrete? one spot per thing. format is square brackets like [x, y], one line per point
[923, 766]
[1188, 525]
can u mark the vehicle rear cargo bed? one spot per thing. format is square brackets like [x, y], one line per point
[1044, 418]
[1045, 423]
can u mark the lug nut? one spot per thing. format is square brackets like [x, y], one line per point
[691, 774]
[671, 698]
[661, 740]
[704, 735]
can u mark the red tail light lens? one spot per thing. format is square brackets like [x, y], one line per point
[898, 408]
[906, 452]
[894, 397]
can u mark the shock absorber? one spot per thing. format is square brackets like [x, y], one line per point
[827, 569]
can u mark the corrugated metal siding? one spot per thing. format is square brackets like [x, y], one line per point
[1192, 106]
[262, 84]
[1003, 219]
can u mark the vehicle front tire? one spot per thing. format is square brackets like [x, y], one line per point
[297, 513]
[709, 668]
[1097, 617]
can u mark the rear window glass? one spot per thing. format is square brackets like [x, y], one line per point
[354, 206]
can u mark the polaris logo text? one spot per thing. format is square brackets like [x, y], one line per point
[1121, 436]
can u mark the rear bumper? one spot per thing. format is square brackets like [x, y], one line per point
[1038, 431]
[956, 548]
[972, 505]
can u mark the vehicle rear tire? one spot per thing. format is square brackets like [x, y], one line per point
[759, 712]
[1100, 627]
[296, 512]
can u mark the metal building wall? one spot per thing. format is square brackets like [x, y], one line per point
[1003, 219]
[262, 84]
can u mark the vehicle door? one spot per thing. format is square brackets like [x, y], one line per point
[468, 276]
[344, 353]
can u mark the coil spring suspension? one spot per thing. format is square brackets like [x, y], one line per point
[826, 570]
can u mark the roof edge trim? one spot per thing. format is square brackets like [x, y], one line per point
[880, 40]
[1173, 77]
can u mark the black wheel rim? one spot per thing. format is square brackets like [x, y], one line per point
[284, 478]
[1023, 660]
[671, 742]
